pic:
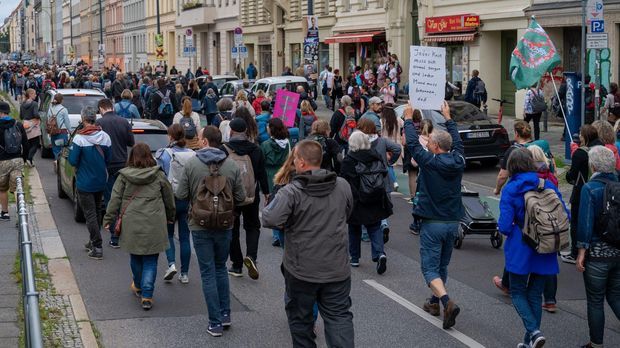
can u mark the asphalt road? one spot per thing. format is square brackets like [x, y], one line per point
[387, 309]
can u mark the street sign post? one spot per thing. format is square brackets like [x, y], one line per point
[594, 10]
[597, 40]
[238, 42]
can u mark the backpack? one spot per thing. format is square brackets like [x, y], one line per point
[124, 111]
[214, 205]
[51, 126]
[348, 127]
[608, 222]
[165, 107]
[372, 180]
[247, 174]
[178, 160]
[12, 141]
[189, 126]
[47, 85]
[615, 107]
[538, 103]
[546, 226]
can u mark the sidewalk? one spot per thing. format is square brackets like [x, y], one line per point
[10, 292]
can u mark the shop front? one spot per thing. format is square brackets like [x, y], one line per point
[358, 48]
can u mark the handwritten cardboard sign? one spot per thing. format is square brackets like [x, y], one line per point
[427, 77]
[286, 107]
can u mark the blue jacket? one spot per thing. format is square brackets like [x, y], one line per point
[261, 121]
[439, 196]
[90, 166]
[129, 107]
[590, 206]
[521, 258]
[209, 104]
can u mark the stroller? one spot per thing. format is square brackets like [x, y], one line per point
[478, 219]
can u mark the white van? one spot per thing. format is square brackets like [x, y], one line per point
[272, 84]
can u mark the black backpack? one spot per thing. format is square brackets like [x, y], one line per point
[372, 180]
[608, 222]
[189, 126]
[12, 141]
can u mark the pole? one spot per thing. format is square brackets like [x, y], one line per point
[597, 82]
[583, 62]
[71, 23]
[157, 13]
[555, 88]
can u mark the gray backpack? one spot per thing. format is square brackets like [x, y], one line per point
[546, 226]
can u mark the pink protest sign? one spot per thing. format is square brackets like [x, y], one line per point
[286, 107]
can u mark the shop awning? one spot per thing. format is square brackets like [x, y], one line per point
[450, 38]
[365, 36]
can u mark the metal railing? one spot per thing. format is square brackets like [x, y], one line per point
[32, 319]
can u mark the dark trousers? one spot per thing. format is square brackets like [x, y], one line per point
[536, 119]
[33, 145]
[251, 225]
[574, 211]
[91, 205]
[334, 305]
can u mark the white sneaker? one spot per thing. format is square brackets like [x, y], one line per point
[568, 259]
[396, 187]
[183, 278]
[172, 270]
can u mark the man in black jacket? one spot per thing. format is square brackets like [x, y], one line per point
[209, 84]
[156, 100]
[118, 86]
[119, 130]
[241, 146]
[12, 156]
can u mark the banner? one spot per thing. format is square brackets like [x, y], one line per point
[285, 107]
[427, 77]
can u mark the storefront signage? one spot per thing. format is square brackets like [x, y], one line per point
[427, 77]
[597, 40]
[264, 39]
[452, 24]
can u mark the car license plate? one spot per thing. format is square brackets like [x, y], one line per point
[476, 135]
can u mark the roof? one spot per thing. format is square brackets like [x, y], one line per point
[281, 79]
[147, 124]
[217, 77]
[69, 91]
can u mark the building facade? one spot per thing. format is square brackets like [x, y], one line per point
[134, 27]
[167, 22]
[114, 45]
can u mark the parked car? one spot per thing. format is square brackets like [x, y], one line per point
[218, 80]
[152, 132]
[74, 100]
[272, 84]
[230, 88]
[484, 139]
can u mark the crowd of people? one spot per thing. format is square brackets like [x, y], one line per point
[231, 164]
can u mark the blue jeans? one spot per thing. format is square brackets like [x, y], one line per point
[144, 270]
[392, 176]
[184, 245]
[278, 235]
[436, 244]
[107, 194]
[376, 241]
[212, 249]
[57, 149]
[526, 292]
[602, 280]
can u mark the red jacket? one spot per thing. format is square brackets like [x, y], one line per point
[256, 105]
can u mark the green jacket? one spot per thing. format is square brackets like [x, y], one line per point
[275, 156]
[144, 226]
[198, 167]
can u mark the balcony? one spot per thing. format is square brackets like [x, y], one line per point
[196, 14]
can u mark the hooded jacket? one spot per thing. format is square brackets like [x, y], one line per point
[8, 122]
[89, 161]
[276, 152]
[144, 224]
[313, 210]
[29, 110]
[521, 258]
[198, 167]
[242, 146]
[121, 136]
[439, 196]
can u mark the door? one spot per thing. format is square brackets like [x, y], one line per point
[509, 42]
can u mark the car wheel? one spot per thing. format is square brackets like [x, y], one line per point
[497, 240]
[61, 194]
[458, 242]
[78, 213]
[490, 162]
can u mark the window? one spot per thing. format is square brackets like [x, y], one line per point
[346, 5]
[363, 4]
[295, 55]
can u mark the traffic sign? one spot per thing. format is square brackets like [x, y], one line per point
[596, 40]
[235, 51]
[189, 51]
[597, 26]
[594, 10]
[238, 36]
[189, 32]
[189, 41]
[238, 31]
[159, 53]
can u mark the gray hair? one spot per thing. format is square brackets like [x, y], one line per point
[359, 141]
[442, 138]
[602, 159]
[224, 104]
[346, 101]
[89, 114]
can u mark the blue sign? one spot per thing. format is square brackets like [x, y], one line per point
[572, 107]
[597, 26]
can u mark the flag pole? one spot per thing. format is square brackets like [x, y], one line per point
[555, 88]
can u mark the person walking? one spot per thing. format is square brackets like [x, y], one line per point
[528, 270]
[13, 154]
[145, 200]
[90, 152]
[262, 120]
[597, 259]
[58, 124]
[172, 160]
[212, 243]
[391, 128]
[531, 108]
[122, 137]
[439, 206]
[251, 72]
[316, 263]
[209, 106]
[190, 122]
[124, 107]
[242, 101]
[161, 107]
[331, 149]
[337, 92]
[29, 113]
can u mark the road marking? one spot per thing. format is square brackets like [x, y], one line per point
[493, 198]
[466, 340]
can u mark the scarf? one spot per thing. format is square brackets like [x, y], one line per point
[89, 129]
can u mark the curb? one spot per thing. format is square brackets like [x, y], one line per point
[59, 266]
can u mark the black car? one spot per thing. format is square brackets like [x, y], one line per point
[484, 139]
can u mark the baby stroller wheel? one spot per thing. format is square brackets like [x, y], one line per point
[497, 240]
[458, 242]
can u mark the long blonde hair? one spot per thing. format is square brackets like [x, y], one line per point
[285, 173]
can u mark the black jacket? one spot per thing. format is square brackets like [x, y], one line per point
[29, 110]
[156, 100]
[242, 146]
[364, 213]
[121, 136]
[5, 123]
[577, 174]
[205, 88]
[118, 86]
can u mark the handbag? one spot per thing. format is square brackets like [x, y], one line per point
[119, 220]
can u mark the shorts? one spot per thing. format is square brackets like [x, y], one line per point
[9, 171]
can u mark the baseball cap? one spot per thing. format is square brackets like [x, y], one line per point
[375, 100]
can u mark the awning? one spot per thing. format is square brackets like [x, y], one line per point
[365, 36]
[450, 38]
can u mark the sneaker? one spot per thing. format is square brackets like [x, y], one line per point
[537, 340]
[113, 244]
[414, 229]
[365, 237]
[183, 278]
[386, 234]
[251, 265]
[172, 270]
[4, 216]
[550, 307]
[135, 290]
[497, 281]
[568, 259]
[275, 242]
[96, 254]
[88, 246]
[147, 304]
[215, 330]
[355, 263]
[523, 345]
[235, 272]
[226, 322]
[396, 187]
[382, 264]
[449, 314]
[431, 308]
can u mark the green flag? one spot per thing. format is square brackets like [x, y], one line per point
[534, 55]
